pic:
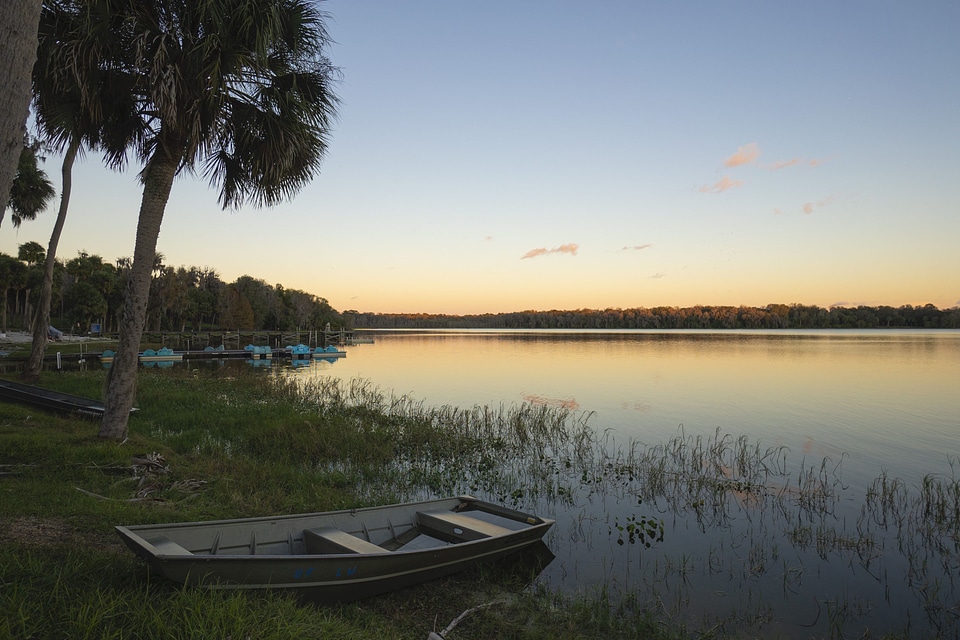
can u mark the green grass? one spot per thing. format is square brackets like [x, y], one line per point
[245, 445]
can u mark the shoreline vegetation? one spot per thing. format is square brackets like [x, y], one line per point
[773, 316]
[205, 445]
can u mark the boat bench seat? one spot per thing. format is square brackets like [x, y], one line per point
[457, 527]
[167, 547]
[332, 540]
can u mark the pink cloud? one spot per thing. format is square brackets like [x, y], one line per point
[782, 164]
[565, 248]
[722, 185]
[810, 207]
[747, 154]
[638, 247]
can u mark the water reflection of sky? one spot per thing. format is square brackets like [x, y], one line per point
[786, 561]
[887, 400]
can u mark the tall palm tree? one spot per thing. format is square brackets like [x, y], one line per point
[31, 371]
[99, 114]
[18, 51]
[237, 90]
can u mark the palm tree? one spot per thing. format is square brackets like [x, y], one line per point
[31, 252]
[31, 189]
[18, 51]
[238, 90]
[98, 114]
[13, 274]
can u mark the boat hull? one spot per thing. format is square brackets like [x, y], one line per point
[273, 553]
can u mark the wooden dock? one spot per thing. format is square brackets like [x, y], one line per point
[223, 354]
[237, 340]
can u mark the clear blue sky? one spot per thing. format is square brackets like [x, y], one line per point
[502, 156]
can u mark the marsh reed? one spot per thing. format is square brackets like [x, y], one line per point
[768, 524]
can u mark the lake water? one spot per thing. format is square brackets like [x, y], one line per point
[848, 406]
[885, 399]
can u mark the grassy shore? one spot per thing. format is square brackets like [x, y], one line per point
[206, 446]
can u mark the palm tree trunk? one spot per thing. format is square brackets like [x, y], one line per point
[122, 377]
[42, 320]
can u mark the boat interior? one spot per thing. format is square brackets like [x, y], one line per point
[426, 529]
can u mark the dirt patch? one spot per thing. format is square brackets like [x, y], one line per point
[33, 531]
[41, 532]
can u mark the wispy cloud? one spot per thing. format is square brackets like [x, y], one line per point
[658, 275]
[793, 162]
[725, 183]
[810, 207]
[747, 154]
[783, 164]
[639, 247]
[564, 248]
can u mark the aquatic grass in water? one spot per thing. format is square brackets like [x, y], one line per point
[669, 526]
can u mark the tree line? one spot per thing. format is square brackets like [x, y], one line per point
[774, 316]
[88, 289]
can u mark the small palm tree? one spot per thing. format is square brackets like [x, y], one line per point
[237, 90]
[31, 190]
[31, 252]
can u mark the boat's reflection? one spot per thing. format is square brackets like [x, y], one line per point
[510, 574]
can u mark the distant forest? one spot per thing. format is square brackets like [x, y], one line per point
[774, 316]
[88, 289]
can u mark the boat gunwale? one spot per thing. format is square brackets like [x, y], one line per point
[214, 558]
[132, 533]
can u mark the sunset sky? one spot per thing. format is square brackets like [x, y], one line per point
[502, 156]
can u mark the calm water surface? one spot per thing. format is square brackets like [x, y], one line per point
[883, 399]
[848, 406]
